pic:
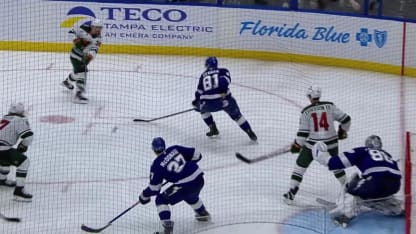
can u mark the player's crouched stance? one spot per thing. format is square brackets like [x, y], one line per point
[15, 126]
[177, 165]
[213, 95]
[87, 41]
[374, 189]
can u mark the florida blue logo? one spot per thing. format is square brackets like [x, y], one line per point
[364, 37]
[380, 38]
[77, 14]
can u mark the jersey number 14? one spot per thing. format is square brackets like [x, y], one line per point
[320, 123]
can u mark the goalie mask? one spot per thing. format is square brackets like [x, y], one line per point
[373, 142]
[313, 92]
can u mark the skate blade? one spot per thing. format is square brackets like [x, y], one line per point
[21, 199]
[203, 218]
[77, 101]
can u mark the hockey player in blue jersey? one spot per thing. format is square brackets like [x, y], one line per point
[177, 165]
[374, 189]
[213, 95]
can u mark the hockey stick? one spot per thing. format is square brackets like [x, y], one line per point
[9, 219]
[163, 117]
[272, 154]
[97, 230]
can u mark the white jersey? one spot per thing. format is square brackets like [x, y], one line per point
[94, 43]
[13, 127]
[317, 124]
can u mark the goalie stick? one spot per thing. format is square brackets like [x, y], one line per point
[163, 117]
[9, 219]
[274, 153]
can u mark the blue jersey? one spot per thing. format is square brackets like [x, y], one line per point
[213, 84]
[371, 162]
[177, 164]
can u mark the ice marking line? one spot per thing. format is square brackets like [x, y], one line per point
[70, 183]
[50, 66]
[88, 128]
[66, 187]
[270, 93]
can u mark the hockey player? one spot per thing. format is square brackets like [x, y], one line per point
[177, 165]
[87, 41]
[14, 127]
[213, 95]
[316, 124]
[374, 189]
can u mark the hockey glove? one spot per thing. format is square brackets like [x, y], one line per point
[195, 104]
[342, 134]
[295, 148]
[143, 199]
[21, 148]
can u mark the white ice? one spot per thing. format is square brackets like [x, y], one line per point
[89, 170]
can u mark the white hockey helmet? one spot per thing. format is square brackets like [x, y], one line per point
[97, 23]
[314, 92]
[17, 108]
[373, 142]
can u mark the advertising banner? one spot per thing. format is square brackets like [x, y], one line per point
[316, 34]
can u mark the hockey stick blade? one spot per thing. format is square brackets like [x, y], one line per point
[242, 158]
[272, 154]
[93, 230]
[10, 219]
[325, 203]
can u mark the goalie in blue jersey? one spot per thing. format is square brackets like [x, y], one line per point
[177, 165]
[213, 95]
[374, 188]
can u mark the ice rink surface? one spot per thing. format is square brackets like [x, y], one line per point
[90, 162]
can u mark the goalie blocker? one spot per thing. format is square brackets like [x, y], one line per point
[374, 189]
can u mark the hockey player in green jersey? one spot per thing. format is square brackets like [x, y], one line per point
[87, 41]
[316, 123]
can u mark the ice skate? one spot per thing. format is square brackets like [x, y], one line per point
[167, 228]
[203, 216]
[21, 195]
[290, 195]
[213, 131]
[342, 220]
[80, 98]
[67, 84]
[7, 183]
[252, 135]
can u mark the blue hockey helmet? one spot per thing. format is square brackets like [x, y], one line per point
[211, 62]
[373, 142]
[158, 145]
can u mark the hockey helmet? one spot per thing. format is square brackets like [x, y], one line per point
[17, 108]
[314, 92]
[97, 23]
[373, 142]
[211, 62]
[158, 145]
